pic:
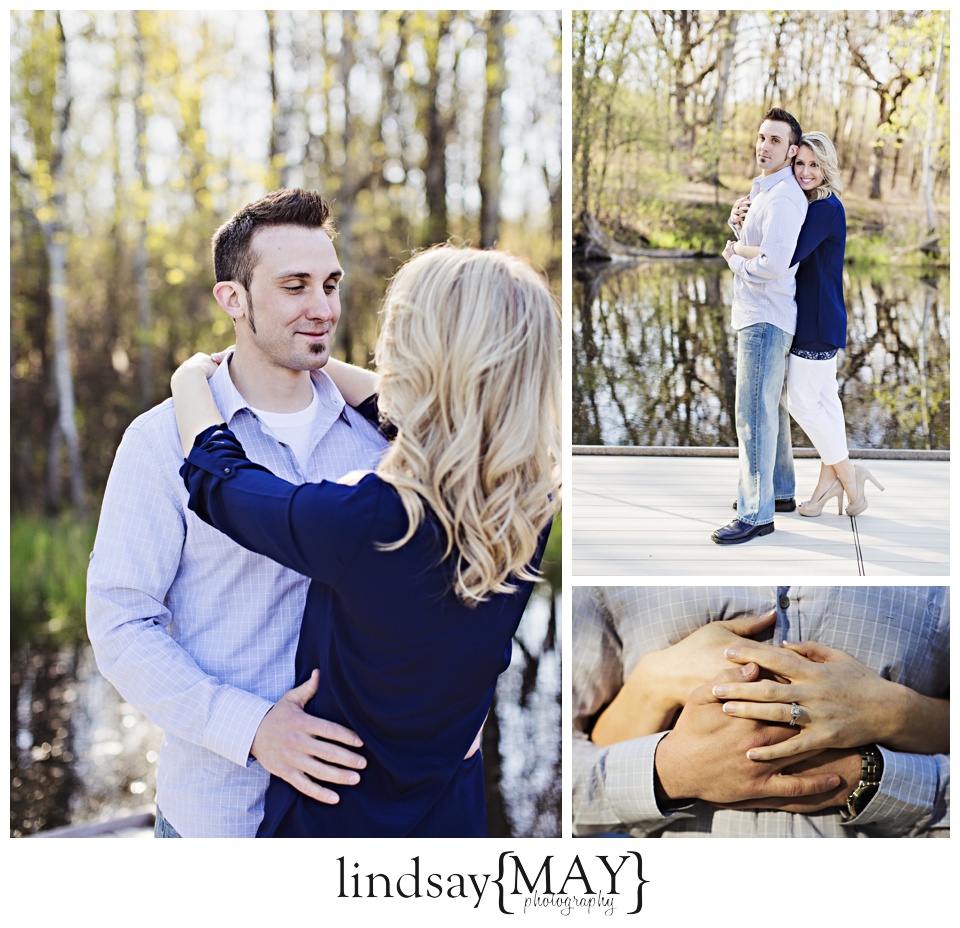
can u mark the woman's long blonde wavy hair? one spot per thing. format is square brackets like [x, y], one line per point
[469, 364]
[828, 159]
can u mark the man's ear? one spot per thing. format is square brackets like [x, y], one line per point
[792, 152]
[232, 298]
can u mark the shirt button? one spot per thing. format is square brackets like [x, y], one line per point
[784, 602]
[226, 470]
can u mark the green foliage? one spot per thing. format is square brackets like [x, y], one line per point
[895, 247]
[683, 224]
[48, 572]
[552, 565]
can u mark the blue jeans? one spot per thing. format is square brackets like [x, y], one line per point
[163, 829]
[763, 422]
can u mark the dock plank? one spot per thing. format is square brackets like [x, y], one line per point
[639, 516]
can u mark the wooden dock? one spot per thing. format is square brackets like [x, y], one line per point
[651, 515]
[139, 825]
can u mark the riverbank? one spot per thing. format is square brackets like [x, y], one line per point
[886, 232]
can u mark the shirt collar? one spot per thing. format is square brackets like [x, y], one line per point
[230, 402]
[768, 181]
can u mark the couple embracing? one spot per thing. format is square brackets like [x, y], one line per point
[790, 318]
[292, 623]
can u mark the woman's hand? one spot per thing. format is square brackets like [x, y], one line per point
[218, 357]
[661, 682]
[355, 384]
[842, 703]
[844, 764]
[746, 251]
[739, 211]
[198, 363]
[192, 400]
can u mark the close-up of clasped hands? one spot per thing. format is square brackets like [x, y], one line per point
[702, 712]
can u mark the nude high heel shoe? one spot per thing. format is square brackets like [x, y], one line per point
[813, 507]
[855, 507]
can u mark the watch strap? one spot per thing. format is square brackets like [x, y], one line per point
[871, 769]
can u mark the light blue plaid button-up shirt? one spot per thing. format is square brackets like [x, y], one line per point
[193, 630]
[902, 633]
[765, 287]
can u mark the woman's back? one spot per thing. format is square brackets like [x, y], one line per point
[403, 662]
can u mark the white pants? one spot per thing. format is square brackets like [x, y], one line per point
[814, 400]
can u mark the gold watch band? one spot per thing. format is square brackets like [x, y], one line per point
[871, 766]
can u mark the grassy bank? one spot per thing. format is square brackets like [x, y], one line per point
[48, 577]
[887, 232]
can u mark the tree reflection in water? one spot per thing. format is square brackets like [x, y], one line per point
[654, 357]
[79, 753]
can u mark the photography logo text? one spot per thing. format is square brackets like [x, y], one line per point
[583, 883]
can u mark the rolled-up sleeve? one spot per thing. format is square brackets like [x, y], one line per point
[269, 515]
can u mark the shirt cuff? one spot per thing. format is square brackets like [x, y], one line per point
[909, 795]
[629, 779]
[217, 451]
[234, 721]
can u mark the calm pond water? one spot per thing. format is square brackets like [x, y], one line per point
[79, 753]
[654, 357]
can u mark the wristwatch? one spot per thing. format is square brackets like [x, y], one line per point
[871, 769]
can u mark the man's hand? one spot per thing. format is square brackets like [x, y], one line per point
[739, 211]
[705, 756]
[295, 746]
[845, 764]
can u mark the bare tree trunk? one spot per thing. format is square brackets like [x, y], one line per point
[435, 168]
[280, 111]
[144, 306]
[349, 189]
[875, 171]
[491, 144]
[54, 237]
[581, 101]
[498, 821]
[930, 137]
[719, 98]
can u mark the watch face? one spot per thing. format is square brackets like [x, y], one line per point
[862, 795]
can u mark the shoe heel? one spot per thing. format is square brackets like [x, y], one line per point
[766, 530]
[868, 476]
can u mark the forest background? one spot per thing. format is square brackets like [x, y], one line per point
[135, 134]
[666, 105]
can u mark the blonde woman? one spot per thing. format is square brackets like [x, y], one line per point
[420, 571]
[812, 388]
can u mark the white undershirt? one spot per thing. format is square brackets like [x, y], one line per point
[293, 428]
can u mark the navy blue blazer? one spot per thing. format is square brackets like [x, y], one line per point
[403, 662]
[821, 313]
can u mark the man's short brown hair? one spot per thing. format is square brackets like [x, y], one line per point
[234, 259]
[781, 115]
